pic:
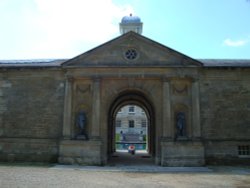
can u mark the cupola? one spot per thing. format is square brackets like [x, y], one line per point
[131, 23]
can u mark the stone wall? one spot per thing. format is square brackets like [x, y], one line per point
[31, 113]
[225, 113]
[81, 152]
[182, 153]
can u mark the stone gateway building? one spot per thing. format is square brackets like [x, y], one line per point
[64, 110]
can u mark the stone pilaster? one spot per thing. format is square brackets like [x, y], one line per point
[166, 110]
[67, 109]
[95, 127]
[196, 109]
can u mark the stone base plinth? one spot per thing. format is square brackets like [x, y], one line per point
[81, 137]
[28, 150]
[80, 152]
[182, 153]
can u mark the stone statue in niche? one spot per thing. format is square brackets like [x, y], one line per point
[180, 124]
[81, 121]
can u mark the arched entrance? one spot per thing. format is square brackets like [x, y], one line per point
[131, 98]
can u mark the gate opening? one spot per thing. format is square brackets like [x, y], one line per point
[131, 124]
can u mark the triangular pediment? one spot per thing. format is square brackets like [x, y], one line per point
[132, 49]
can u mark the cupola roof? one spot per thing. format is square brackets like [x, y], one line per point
[130, 19]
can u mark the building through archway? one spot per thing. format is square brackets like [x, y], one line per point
[131, 129]
[131, 122]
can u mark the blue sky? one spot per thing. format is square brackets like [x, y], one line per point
[37, 29]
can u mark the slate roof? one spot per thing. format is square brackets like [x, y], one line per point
[225, 62]
[31, 63]
[59, 62]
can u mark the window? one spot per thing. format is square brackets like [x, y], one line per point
[143, 123]
[118, 123]
[131, 109]
[131, 124]
[244, 150]
[120, 111]
[131, 54]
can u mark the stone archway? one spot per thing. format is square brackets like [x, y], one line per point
[131, 97]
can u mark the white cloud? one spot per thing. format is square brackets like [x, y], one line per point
[71, 24]
[235, 43]
[57, 28]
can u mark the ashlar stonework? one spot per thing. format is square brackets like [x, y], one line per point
[40, 101]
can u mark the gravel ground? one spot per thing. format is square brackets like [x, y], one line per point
[16, 176]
